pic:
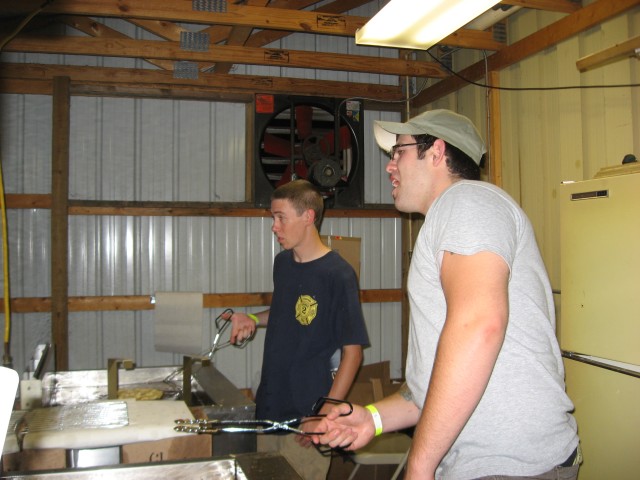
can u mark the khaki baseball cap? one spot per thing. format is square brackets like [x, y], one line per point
[451, 127]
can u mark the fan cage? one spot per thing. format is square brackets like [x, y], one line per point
[299, 138]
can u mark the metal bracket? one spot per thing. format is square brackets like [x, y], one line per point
[195, 41]
[113, 366]
[217, 6]
[185, 69]
[187, 367]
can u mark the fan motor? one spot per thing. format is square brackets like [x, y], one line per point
[325, 173]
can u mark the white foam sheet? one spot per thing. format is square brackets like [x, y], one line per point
[9, 380]
[148, 420]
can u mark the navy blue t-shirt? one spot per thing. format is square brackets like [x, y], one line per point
[315, 310]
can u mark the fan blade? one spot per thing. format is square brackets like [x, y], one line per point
[345, 140]
[276, 145]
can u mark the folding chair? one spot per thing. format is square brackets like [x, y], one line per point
[387, 449]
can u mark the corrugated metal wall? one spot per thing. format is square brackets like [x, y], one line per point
[164, 150]
[172, 151]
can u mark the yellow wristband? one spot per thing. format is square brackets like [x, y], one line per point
[377, 421]
[254, 318]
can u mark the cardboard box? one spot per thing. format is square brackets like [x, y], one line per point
[176, 448]
[28, 460]
[380, 370]
[347, 247]
[372, 383]
[184, 447]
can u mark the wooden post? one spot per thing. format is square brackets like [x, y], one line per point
[249, 145]
[60, 220]
[495, 132]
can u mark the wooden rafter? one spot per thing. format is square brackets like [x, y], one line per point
[562, 6]
[238, 36]
[239, 15]
[165, 50]
[37, 79]
[630, 48]
[97, 29]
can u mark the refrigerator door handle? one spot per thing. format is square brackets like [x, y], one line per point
[580, 357]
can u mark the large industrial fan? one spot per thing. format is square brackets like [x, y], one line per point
[315, 138]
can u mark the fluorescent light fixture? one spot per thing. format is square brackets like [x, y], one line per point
[419, 24]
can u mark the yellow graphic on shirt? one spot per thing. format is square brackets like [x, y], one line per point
[306, 309]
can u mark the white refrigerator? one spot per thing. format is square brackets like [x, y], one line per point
[599, 327]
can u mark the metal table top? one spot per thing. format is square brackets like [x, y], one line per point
[246, 466]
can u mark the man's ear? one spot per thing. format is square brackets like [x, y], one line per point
[310, 216]
[438, 151]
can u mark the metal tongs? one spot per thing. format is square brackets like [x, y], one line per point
[258, 426]
[222, 323]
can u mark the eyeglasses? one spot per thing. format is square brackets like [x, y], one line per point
[397, 148]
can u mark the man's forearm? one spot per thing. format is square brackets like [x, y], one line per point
[349, 364]
[460, 375]
[397, 411]
[263, 318]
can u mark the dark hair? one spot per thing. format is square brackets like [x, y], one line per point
[459, 163]
[303, 196]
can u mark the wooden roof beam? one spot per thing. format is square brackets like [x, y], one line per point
[238, 36]
[241, 15]
[109, 81]
[97, 29]
[164, 50]
[630, 48]
[562, 6]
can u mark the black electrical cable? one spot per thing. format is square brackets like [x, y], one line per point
[525, 89]
[492, 87]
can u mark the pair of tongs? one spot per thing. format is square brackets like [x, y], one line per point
[258, 426]
[222, 323]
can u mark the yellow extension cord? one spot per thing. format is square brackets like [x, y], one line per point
[6, 358]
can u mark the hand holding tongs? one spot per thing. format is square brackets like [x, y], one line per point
[257, 426]
[222, 323]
